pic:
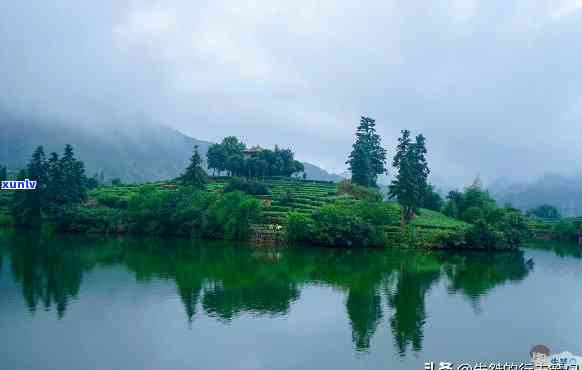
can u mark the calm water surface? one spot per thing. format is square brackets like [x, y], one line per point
[70, 303]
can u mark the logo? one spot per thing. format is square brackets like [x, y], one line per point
[542, 358]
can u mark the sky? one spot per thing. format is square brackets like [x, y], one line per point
[495, 86]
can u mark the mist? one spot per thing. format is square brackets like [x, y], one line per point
[495, 86]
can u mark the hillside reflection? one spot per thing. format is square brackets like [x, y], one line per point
[225, 280]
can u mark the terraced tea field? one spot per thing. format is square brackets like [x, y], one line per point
[309, 196]
[304, 196]
[287, 195]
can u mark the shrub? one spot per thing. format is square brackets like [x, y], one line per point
[298, 227]
[450, 238]
[246, 186]
[355, 223]
[339, 226]
[493, 227]
[513, 224]
[78, 219]
[286, 198]
[483, 235]
[169, 212]
[111, 201]
[565, 230]
[358, 192]
[232, 215]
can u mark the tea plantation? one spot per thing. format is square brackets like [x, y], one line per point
[286, 195]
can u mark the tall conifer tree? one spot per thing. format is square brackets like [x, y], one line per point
[194, 174]
[27, 204]
[368, 158]
[410, 185]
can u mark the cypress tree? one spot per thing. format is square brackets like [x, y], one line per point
[73, 174]
[56, 186]
[367, 159]
[194, 174]
[410, 185]
[27, 205]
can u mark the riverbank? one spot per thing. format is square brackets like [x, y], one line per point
[152, 209]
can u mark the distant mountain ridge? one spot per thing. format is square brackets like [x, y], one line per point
[563, 192]
[134, 154]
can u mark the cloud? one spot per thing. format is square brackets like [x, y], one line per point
[494, 85]
[567, 8]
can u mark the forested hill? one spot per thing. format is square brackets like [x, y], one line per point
[134, 154]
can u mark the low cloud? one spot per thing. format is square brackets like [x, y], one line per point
[494, 85]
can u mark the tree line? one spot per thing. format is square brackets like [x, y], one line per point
[229, 157]
[61, 181]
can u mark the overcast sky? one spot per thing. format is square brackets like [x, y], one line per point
[496, 86]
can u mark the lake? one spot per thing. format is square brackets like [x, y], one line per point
[77, 302]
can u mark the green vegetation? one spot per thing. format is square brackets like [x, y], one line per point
[432, 200]
[410, 185]
[266, 203]
[310, 212]
[194, 175]
[345, 223]
[367, 159]
[246, 186]
[545, 211]
[359, 192]
[61, 182]
[224, 280]
[232, 156]
[491, 226]
[567, 230]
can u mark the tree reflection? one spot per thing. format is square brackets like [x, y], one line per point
[228, 280]
[49, 275]
[475, 274]
[364, 308]
[559, 248]
[408, 304]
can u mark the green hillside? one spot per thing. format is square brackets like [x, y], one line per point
[287, 195]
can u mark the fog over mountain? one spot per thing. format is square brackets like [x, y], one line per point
[564, 192]
[494, 85]
[131, 152]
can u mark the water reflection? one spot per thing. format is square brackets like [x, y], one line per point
[226, 280]
[408, 304]
[49, 275]
[562, 249]
[474, 274]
